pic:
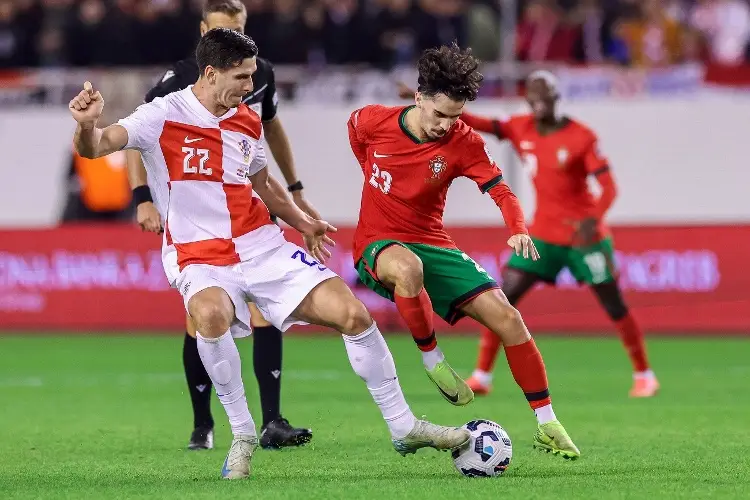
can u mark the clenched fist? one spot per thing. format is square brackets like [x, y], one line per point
[522, 244]
[87, 106]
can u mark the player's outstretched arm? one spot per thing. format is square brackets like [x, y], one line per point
[91, 141]
[484, 124]
[314, 231]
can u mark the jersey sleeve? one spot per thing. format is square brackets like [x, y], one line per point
[479, 165]
[145, 124]
[593, 160]
[260, 160]
[271, 97]
[482, 169]
[358, 133]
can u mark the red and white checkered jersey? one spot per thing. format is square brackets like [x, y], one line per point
[212, 216]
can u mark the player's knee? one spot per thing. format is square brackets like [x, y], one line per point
[511, 323]
[356, 319]
[408, 274]
[611, 300]
[212, 319]
[615, 308]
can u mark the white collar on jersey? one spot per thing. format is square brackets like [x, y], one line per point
[201, 109]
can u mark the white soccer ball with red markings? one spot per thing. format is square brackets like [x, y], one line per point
[488, 452]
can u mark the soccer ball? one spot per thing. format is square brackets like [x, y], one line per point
[488, 452]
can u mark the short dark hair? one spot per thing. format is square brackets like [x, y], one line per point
[228, 7]
[451, 71]
[223, 49]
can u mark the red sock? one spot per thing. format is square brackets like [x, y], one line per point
[527, 366]
[632, 339]
[417, 312]
[489, 345]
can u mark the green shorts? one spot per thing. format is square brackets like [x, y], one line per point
[451, 277]
[591, 265]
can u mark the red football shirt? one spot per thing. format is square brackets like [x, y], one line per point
[559, 164]
[407, 180]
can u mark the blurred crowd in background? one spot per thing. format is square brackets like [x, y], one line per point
[382, 33]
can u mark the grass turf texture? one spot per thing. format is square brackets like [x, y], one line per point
[109, 417]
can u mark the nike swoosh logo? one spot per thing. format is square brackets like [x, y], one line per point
[376, 155]
[188, 141]
[452, 399]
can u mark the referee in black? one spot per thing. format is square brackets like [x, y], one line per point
[276, 431]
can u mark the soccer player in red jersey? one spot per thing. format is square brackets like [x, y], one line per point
[560, 154]
[409, 156]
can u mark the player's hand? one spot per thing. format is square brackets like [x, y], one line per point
[317, 239]
[585, 231]
[148, 218]
[304, 205]
[404, 91]
[87, 106]
[522, 244]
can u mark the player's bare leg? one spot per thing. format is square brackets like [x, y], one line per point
[645, 384]
[515, 285]
[333, 304]
[276, 431]
[200, 388]
[399, 269]
[493, 310]
[213, 313]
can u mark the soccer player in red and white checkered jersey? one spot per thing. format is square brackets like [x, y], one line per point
[206, 146]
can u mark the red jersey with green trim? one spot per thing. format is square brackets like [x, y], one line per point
[559, 164]
[406, 181]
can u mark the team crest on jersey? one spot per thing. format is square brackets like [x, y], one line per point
[246, 150]
[438, 165]
[562, 156]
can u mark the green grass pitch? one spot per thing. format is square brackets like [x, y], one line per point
[108, 417]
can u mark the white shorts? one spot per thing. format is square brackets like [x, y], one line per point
[276, 281]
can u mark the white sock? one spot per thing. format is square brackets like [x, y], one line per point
[372, 361]
[431, 358]
[545, 414]
[222, 361]
[646, 374]
[484, 378]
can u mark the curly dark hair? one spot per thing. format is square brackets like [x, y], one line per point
[451, 71]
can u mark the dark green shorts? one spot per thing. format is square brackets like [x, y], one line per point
[451, 277]
[591, 265]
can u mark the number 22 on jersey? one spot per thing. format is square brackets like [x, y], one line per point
[188, 163]
[380, 179]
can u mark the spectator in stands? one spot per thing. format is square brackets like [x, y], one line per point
[439, 22]
[380, 32]
[11, 37]
[544, 35]
[288, 37]
[725, 26]
[652, 39]
[393, 25]
[594, 44]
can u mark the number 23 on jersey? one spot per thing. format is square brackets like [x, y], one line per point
[380, 179]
